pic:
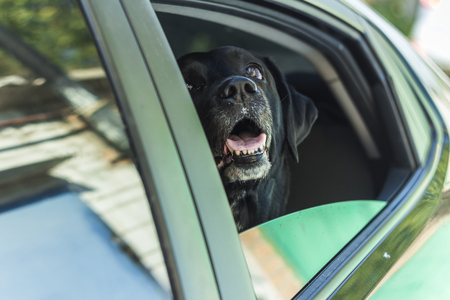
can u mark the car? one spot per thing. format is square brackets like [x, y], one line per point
[110, 191]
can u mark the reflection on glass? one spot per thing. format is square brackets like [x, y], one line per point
[73, 212]
[285, 253]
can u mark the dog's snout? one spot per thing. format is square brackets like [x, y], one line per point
[238, 89]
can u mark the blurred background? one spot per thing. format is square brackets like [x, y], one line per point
[425, 22]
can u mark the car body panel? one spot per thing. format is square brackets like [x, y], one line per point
[68, 253]
[422, 271]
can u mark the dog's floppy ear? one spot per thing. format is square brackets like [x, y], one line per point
[299, 112]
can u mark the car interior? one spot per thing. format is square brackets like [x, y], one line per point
[344, 157]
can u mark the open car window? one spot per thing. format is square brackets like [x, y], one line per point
[346, 165]
[311, 74]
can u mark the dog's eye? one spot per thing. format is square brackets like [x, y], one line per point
[254, 71]
[190, 87]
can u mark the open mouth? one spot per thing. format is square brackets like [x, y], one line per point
[246, 143]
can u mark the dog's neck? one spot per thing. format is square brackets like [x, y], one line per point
[256, 196]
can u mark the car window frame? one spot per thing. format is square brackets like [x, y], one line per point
[411, 104]
[423, 184]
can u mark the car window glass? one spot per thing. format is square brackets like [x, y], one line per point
[414, 113]
[75, 222]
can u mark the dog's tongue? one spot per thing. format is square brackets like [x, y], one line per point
[246, 140]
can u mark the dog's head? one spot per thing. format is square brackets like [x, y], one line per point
[247, 110]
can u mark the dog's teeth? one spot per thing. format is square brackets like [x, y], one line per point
[251, 151]
[231, 150]
[245, 152]
[237, 153]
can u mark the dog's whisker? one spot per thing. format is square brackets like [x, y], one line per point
[285, 97]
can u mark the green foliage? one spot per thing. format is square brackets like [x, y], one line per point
[401, 13]
[55, 28]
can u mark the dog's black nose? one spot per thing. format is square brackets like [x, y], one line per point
[237, 89]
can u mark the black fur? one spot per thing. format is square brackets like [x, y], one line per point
[226, 93]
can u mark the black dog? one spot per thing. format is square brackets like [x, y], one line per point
[249, 113]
